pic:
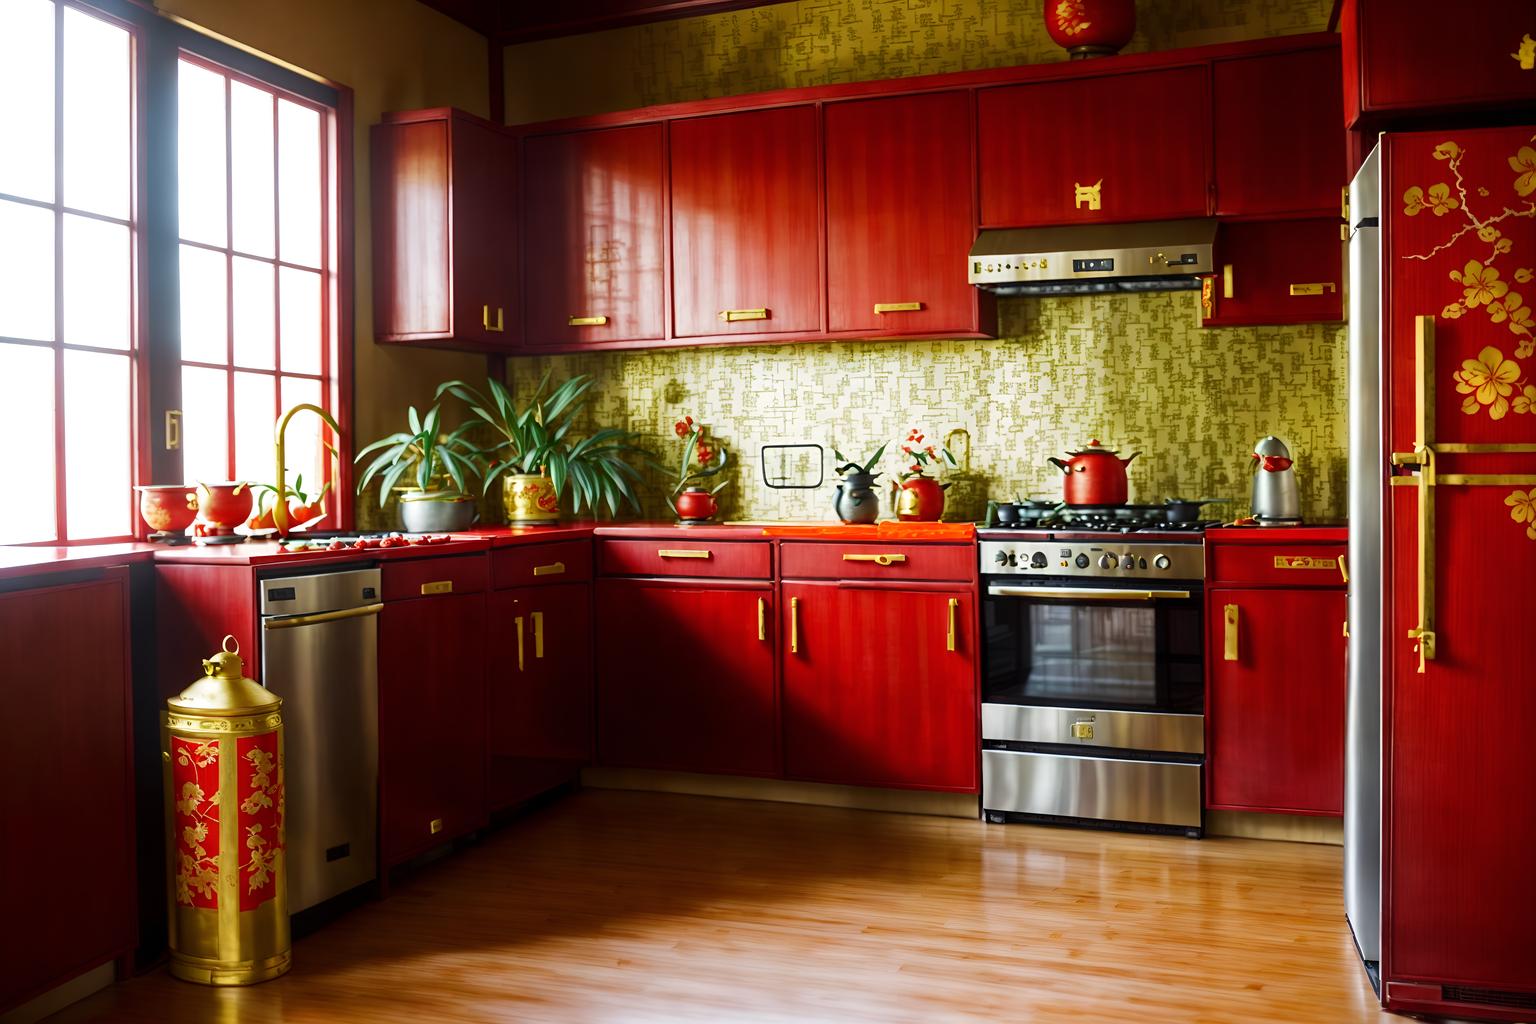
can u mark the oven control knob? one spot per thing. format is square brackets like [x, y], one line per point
[1037, 560]
[1001, 558]
[1106, 561]
[1162, 561]
[1128, 562]
[1082, 561]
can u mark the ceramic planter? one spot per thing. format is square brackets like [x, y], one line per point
[920, 500]
[695, 505]
[168, 508]
[529, 498]
[856, 500]
[436, 512]
[223, 506]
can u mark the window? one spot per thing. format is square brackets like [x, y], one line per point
[96, 348]
[67, 299]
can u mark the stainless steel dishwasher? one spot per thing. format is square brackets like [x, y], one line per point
[319, 653]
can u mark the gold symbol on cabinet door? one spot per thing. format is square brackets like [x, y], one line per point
[1088, 194]
[1525, 53]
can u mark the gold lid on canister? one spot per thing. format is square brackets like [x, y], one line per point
[224, 690]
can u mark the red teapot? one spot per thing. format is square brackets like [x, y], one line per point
[1095, 475]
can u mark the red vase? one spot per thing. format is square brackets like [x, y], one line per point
[921, 500]
[695, 505]
[1091, 28]
[222, 507]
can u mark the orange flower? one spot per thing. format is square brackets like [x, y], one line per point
[1488, 380]
[1481, 284]
[1523, 164]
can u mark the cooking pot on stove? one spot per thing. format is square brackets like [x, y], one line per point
[1095, 475]
[1184, 510]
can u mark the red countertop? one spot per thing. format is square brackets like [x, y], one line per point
[507, 536]
[16, 562]
[1307, 533]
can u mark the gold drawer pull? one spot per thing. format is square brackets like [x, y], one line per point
[762, 619]
[518, 622]
[794, 625]
[437, 587]
[683, 553]
[538, 634]
[435, 826]
[552, 569]
[1314, 288]
[1229, 646]
[898, 307]
[731, 316]
[949, 637]
[586, 321]
[881, 559]
[1344, 570]
[485, 319]
[1226, 281]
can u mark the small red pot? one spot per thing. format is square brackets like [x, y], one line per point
[168, 508]
[920, 500]
[695, 504]
[1091, 28]
[222, 507]
[1095, 475]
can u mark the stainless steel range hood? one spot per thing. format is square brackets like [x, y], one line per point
[1083, 259]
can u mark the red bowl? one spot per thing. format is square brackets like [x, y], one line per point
[168, 508]
[224, 505]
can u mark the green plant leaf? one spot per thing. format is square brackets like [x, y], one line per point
[874, 459]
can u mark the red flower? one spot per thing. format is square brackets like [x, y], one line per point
[705, 453]
[906, 450]
[916, 468]
[680, 428]
[931, 452]
[918, 438]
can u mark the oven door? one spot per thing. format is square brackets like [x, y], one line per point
[1073, 646]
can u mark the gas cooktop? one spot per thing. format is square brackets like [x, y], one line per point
[1096, 519]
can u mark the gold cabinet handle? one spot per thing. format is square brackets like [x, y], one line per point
[485, 318]
[1344, 568]
[794, 625]
[437, 587]
[949, 636]
[172, 429]
[762, 619]
[1229, 647]
[552, 569]
[434, 826]
[1226, 281]
[538, 634]
[683, 553]
[882, 559]
[518, 622]
[586, 321]
[732, 316]
[1314, 288]
[898, 307]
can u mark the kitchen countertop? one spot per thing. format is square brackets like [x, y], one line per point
[1328, 532]
[16, 562]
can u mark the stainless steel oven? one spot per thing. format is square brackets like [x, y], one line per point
[1093, 681]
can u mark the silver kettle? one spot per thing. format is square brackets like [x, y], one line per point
[1275, 500]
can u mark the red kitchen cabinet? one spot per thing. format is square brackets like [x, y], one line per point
[1275, 123]
[685, 676]
[68, 880]
[539, 690]
[1276, 272]
[1275, 700]
[1108, 148]
[594, 226]
[445, 231]
[879, 685]
[746, 223]
[431, 722]
[1404, 59]
[900, 174]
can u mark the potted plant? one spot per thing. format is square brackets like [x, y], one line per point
[701, 460]
[919, 497]
[856, 500]
[303, 510]
[436, 468]
[537, 458]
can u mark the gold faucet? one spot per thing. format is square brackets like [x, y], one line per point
[280, 510]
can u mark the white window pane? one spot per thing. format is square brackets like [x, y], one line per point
[98, 282]
[254, 318]
[300, 305]
[204, 424]
[26, 409]
[97, 86]
[298, 183]
[200, 149]
[250, 116]
[98, 446]
[26, 99]
[255, 416]
[204, 306]
[26, 272]
[302, 450]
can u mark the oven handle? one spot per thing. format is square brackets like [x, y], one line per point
[1088, 593]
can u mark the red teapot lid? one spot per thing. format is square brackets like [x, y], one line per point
[1094, 448]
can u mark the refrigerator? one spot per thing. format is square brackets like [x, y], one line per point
[1440, 781]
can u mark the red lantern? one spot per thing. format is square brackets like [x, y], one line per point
[1091, 28]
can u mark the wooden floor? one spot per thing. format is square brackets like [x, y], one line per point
[623, 906]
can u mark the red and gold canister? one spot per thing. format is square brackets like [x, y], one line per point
[223, 752]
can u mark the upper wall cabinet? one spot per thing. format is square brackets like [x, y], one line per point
[1111, 148]
[445, 231]
[1275, 122]
[593, 217]
[746, 223]
[901, 216]
[1404, 58]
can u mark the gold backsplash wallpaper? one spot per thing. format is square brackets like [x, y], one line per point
[1132, 370]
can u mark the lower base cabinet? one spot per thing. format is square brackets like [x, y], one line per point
[431, 722]
[879, 686]
[686, 676]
